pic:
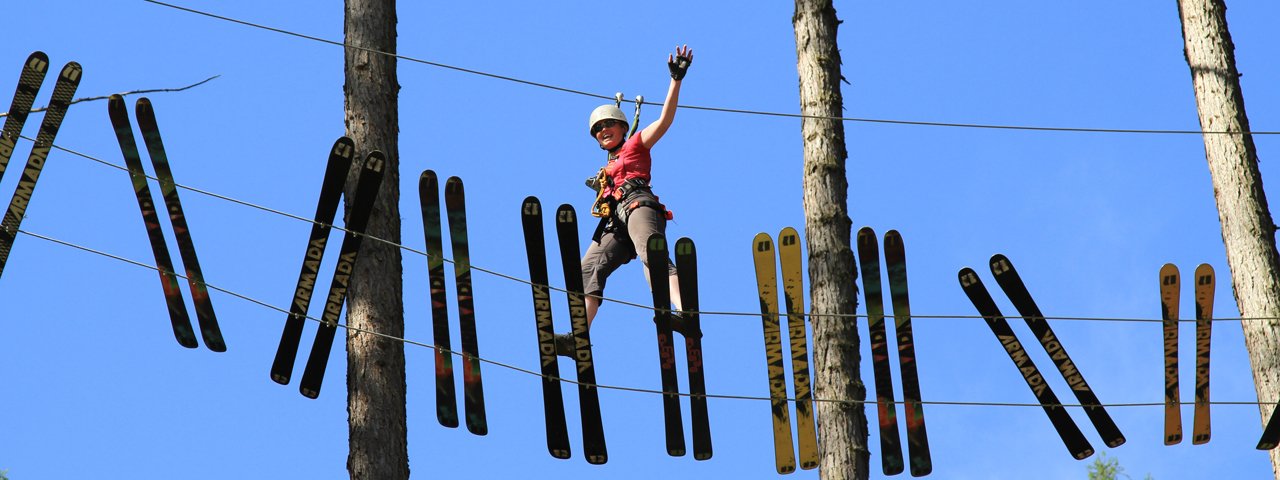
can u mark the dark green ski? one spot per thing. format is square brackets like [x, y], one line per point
[446, 395]
[361, 209]
[687, 265]
[658, 263]
[890, 441]
[552, 396]
[588, 394]
[472, 387]
[917, 438]
[186, 247]
[33, 72]
[335, 176]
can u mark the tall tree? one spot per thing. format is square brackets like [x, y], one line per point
[375, 364]
[842, 426]
[1247, 228]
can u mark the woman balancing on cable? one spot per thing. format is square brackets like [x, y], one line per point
[628, 208]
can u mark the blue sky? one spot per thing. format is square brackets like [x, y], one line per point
[95, 383]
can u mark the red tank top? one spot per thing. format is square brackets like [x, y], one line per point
[633, 161]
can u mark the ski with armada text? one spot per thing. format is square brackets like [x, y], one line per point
[890, 441]
[767, 287]
[335, 176]
[361, 210]
[588, 393]
[1017, 292]
[917, 437]
[446, 395]
[1169, 286]
[552, 395]
[472, 386]
[159, 248]
[186, 247]
[63, 90]
[687, 265]
[793, 293]
[1204, 330]
[656, 248]
[1070, 433]
[33, 73]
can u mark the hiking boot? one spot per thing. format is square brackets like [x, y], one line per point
[565, 344]
[680, 324]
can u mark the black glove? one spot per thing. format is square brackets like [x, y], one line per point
[679, 66]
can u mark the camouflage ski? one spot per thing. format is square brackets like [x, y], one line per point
[446, 395]
[917, 437]
[472, 386]
[890, 441]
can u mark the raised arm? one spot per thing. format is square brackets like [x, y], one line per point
[679, 65]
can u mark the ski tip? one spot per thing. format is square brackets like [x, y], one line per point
[867, 231]
[892, 236]
[999, 257]
[762, 237]
[453, 184]
[531, 200]
[788, 231]
[427, 176]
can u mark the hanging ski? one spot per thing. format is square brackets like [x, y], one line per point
[1204, 330]
[552, 396]
[917, 437]
[1169, 286]
[335, 175]
[687, 265]
[446, 396]
[1062, 422]
[1017, 292]
[472, 386]
[656, 249]
[793, 293]
[33, 72]
[63, 90]
[361, 209]
[186, 248]
[890, 441]
[159, 248]
[767, 287]
[588, 394]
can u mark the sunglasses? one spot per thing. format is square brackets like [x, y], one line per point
[603, 124]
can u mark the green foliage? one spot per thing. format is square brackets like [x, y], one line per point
[1104, 468]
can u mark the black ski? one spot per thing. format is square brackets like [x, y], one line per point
[1062, 422]
[656, 247]
[1169, 286]
[687, 265]
[186, 248]
[361, 209]
[1012, 284]
[335, 176]
[446, 395]
[63, 90]
[552, 396]
[588, 394]
[159, 248]
[917, 437]
[472, 386]
[33, 72]
[890, 441]
[1204, 331]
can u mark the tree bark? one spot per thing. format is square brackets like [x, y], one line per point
[375, 365]
[1247, 228]
[842, 427]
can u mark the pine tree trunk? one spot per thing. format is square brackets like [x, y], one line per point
[842, 427]
[375, 365]
[1247, 228]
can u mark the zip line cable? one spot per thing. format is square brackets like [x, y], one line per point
[608, 299]
[608, 387]
[694, 107]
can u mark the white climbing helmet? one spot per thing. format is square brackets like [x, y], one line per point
[605, 112]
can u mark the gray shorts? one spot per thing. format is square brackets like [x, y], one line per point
[618, 246]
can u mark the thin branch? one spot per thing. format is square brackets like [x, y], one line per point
[133, 92]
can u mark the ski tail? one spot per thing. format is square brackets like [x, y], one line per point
[1204, 329]
[687, 265]
[552, 396]
[588, 394]
[472, 384]
[793, 292]
[1017, 292]
[656, 252]
[1169, 286]
[890, 441]
[208, 321]
[912, 405]
[1071, 436]
[446, 395]
[29, 82]
[335, 176]
[178, 316]
[767, 287]
[367, 186]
